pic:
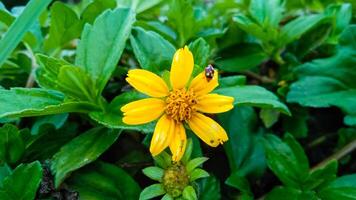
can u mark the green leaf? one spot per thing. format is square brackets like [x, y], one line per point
[139, 5]
[20, 26]
[94, 9]
[269, 117]
[152, 51]
[321, 175]
[342, 15]
[239, 182]
[297, 123]
[104, 181]
[75, 83]
[286, 161]
[231, 81]
[47, 72]
[245, 57]
[23, 182]
[181, 18]
[65, 26]
[329, 81]
[54, 140]
[5, 171]
[280, 193]
[197, 174]
[152, 191]
[194, 163]
[343, 188]
[188, 151]
[82, 150]
[254, 96]
[201, 52]
[11, 145]
[296, 28]
[298, 151]
[189, 193]
[249, 26]
[238, 147]
[112, 116]
[154, 173]
[267, 13]
[24, 102]
[102, 44]
[56, 120]
[209, 189]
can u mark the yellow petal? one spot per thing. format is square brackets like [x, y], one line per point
[182, 68]
[147, 82]
[207, 130]
[162, 135]
[214, 103]
[143, 111]
[178, 143]
[202, 85]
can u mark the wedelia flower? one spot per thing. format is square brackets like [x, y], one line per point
[181, 102]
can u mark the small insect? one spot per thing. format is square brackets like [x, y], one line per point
[209, 72]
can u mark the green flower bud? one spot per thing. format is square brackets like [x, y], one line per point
[175, 179]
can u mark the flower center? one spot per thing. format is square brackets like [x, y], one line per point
[180, 104]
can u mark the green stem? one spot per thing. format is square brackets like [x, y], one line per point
[337, 155]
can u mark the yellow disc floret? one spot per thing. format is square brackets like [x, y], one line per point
[180, 104]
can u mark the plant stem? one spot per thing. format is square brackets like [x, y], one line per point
[31, 77]
[262, 79]
[337, 155]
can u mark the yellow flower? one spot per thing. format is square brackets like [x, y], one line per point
[184, 103]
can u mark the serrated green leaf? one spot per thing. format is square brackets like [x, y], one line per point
[152, 191]
[102, 44]
[154, 173]
[81, 150]
[23, 182]
[104, 181]
[152, 51]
